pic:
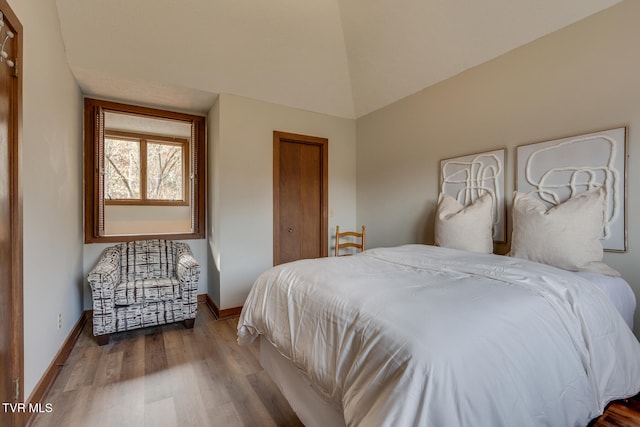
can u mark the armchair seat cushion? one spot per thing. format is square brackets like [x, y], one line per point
[145, 291]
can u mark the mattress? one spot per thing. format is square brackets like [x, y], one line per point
[310, 406]
[617, 290]
[418, 335]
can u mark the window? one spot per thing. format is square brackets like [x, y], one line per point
[144, 173]
[145, 169]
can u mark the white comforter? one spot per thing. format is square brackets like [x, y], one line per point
[420, 335]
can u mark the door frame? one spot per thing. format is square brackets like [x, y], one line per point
[323, 143]
[16, 327]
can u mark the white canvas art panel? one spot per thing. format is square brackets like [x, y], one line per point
[468, 177]
[559, 169]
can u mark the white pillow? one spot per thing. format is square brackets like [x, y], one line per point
[469, 228]
[566, 236]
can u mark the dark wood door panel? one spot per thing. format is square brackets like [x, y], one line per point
[300, 197]
[290, 212]
[310, 201]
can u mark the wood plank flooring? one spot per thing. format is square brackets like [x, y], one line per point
[172, 376]
[166, 376]
[621, 414]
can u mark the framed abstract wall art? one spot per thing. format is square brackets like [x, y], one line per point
[559, 169]
[468, 177]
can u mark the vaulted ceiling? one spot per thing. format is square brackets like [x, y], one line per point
[345, 58]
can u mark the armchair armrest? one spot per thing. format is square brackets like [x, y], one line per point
[188, 272]
[103, 279]
[106, 274]
[187, 268]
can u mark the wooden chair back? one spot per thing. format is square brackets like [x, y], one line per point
[355, 240]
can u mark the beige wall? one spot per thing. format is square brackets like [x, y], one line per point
[125, 219]
[242, 176]
[52, 189]
[213, 201]
[583, 78]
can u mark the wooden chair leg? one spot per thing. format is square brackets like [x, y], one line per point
[188, 323]
[103, 339]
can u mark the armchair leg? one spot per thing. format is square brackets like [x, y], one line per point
[103, 339]
[188, 323]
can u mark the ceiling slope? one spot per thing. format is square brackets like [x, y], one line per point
[346, 58]
[396, 48]
[282, 51]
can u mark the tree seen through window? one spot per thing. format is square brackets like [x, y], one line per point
[138, 169]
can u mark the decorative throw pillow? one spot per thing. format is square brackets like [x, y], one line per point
[468, 228]
[566, 236]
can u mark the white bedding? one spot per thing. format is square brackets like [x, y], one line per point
[420, 335]
[618, 291]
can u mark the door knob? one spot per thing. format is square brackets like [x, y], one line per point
[290, 230]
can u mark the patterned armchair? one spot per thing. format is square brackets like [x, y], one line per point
[143, 283]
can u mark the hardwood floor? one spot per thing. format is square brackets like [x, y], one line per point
[621, 414]
[166, 376]
[172, 376]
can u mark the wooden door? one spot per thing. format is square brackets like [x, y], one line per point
[300, 197]
[11, 332]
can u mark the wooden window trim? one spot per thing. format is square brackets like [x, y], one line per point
[91, 177]
[145, 139]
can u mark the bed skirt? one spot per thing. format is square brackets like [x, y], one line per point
[310, 406]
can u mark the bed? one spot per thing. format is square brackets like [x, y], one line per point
[433, 336]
